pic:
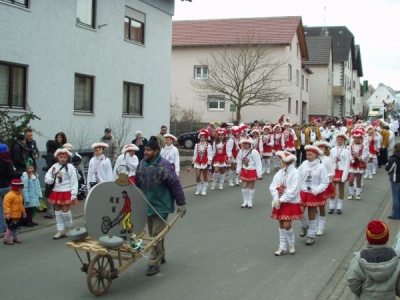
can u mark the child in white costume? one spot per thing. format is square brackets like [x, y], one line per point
[100, 169]
[340, 157]
[358, 163]
[285, 190]
[266, 148]
[232, 150]
[129, 159]
[330, 191]
[171, 153]
[250, 169]
[202, 157]
[372, 142]
[314, 181]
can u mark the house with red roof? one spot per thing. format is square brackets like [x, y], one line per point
[194, 41]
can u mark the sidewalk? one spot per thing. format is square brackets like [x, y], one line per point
[187, 177]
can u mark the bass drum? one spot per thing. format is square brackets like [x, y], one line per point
[115, 210]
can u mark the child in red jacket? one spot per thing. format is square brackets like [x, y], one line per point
[13, 210]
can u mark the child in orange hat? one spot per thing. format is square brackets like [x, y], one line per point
[13, 207]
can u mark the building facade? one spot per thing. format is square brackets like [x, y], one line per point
[196, 41]
[83, 65]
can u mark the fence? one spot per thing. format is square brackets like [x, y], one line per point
[177, 128]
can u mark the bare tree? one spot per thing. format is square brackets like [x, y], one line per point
[190, 115]
[249, 75]
[175, 110]
[120, 127]
[81, 137]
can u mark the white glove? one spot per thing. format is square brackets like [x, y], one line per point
[314, 192]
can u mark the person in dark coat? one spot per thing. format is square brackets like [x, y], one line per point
[7, 173]
[19, 153]
[393, 169]
[141, 142]
[51, 147]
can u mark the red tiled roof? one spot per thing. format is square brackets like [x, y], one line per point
[276, 30]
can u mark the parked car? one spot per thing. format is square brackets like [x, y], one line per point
[189, 139]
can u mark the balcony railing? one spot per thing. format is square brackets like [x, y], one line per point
[338, 90]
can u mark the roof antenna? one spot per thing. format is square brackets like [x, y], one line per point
[324, 30]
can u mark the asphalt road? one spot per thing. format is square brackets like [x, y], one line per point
[217, 251]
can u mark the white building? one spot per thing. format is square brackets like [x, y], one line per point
[196, 40]
[83, 65]
[383, 99]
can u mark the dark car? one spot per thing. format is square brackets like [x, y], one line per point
[189, 139]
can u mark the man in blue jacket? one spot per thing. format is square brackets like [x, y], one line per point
[161, 186]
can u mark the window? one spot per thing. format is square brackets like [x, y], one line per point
[133, 99]
[297, 107]
[200, 72]
[289, 105]
[307, 85]
[297, 77]
[298, 50]
[354, 100]
[216, 102]
[12, 85]
[84, 87]
[85, 12]
[302, 82]
[134, 25]
[290, 72]
[23, 3]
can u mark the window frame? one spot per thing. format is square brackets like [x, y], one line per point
[217, 98]
[297, 107]
[297, 77]
[290, 72]
[16, 3]
[11, 84]
[126, 110]
[130, 34]
[289, 105]
[93, 18]
[92, 79]
[202, 68]
[307, 85]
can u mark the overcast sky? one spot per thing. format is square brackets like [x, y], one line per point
[375, 25]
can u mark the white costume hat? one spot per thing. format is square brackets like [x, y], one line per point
[99, 145]
[62, 151]
[322, 144]
[314, 149]
[342, 135]
[246, 140]
[68, 146]
[286, 156]
[171, 136]
[129, 147]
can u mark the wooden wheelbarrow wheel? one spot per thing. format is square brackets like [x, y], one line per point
[100, 274]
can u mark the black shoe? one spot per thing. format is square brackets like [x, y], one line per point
[29, 224]
[48, 217]
[392, 218]
[339, 211]
[303, 231]
[152, 270]
[163, 261]
[331, 211]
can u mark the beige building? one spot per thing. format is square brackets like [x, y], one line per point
[195, 41]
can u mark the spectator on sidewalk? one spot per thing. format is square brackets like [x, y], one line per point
[160, 137]
[140, 142]
[7, 173]
[51, 147]
[31, 146]
[374, 273]
[61, 139]
[112, 151]
[393, 169]
[19, 153]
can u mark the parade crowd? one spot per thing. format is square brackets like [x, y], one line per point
[312, 165]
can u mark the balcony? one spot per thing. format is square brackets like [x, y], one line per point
[338, 90]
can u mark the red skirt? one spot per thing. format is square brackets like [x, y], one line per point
[330, 192]
[61, 198]
[310, 200]
[338, 176]
[248, 175]
[287, 212]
